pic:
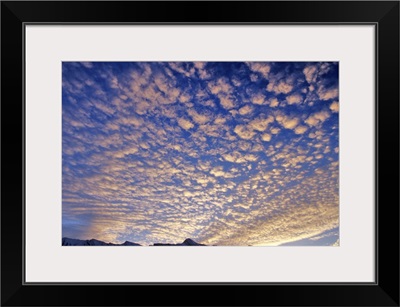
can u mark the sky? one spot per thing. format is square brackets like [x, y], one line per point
[224, 153]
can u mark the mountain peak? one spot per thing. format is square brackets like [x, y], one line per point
[127, 243]
[92, 242]
[190, 242]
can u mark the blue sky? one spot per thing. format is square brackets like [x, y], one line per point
[225, 153]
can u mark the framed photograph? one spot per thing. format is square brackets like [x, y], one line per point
[247, 154]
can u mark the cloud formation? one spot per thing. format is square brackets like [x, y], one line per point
[226, 153]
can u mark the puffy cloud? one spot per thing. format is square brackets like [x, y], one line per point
[202, 72]
[127, 151]
[300, 129]
[280, 87]
[266, 137]
[253, 77]
[185, 124]
[180, 67]
[258, 99]
[274, 102]
[104, 108]
[236, 81]
[200, 65]
[287, 122]
[327, 94]
[310, 72]
[219, 86]
[262, 68]
[245, 110]
[220, 120]
[261, 124]
[275, 130]
[334, 107]
[234, 157]
[317, 118]
[199, 118]
[294, 99]
[251, 157]
[227, 102]
[218, 172]
[132, 120]
[184, 97]
[237, 157]
[142, 107]
[244, 132]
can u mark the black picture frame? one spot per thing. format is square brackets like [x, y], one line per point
[383, 14]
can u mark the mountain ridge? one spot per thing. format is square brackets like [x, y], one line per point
[93, 242]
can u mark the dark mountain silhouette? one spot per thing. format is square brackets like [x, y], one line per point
[187, 242]
[94, 242]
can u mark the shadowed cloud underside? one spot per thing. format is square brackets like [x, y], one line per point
[226, 153]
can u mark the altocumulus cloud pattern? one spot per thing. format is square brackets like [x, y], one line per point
[226, 153]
